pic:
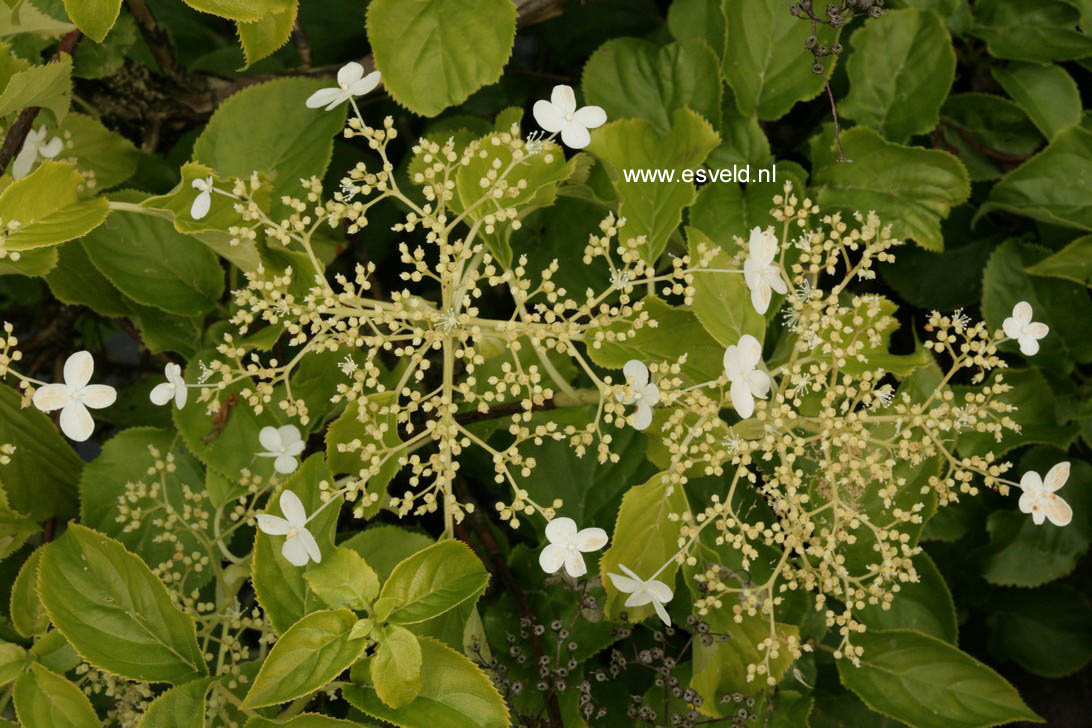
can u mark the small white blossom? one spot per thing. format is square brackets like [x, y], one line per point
[74, 397]
[174, 388]
[740, 362]
[351, 82]
[761, 275]
[1039, 497]
[1020, 327]
[347, 365]
[283, 443]
[35, 146]
[643, 592]
[203, 201]
[560, 114]
[566, 545]
[644, 393]
[299, 545]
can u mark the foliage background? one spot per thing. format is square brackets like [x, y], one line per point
[966, 122]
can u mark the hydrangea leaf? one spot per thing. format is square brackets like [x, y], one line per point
[900, 70]
[380, 431]
[1047, 631]
[698, 20]
[76, 281]
[395, 668]
[241, 10]
[385, 546]
[925, 605]
[28, 616]
[1071, 263]
[44, 698]
[1047, 93]
[263, 37]
[93, 17]
[47, 206]
[109, 157]
[977, 125]
[182, 706]
[928, 683]
[304, 720]
[1040, 32]
[722, 301]
[115, 611]
[435, 53]
[15, 527]
[434, 580]
[344, 579]
[48, 86]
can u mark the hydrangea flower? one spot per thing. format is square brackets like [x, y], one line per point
[566, 545]
[1039, 497]
[644, 393]
[643, 592]
[761, 275]
[1022, 329]
[35, 146]
[560, 114]
[174, 388]
[747, 382]
[351, 82]
[203, 201]
[74, 397]
[299, 545]
[283, 443]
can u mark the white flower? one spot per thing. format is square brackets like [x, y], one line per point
[74, 397]
[283, 443]
[761, 275]
[644, 393]
[299, 545]
[35, 146]
[174, 388]
[643, 592]
[1020, 327]
[351, 81]
[740, 362]
[203, 201]
[1039, 498]
[565, 546]
[560, 114]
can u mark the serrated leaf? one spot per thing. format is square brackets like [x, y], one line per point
[115, 611]
[1071, 263]
[1041, 32]
[305, 720]
[435, 53]
[375, 430]
[46, 205]
[242, 10]
[722, 301]
[48, 86]
[28, 616]
[1047, 93]
[925, 605]
[434, 580]
[182, 706]
[395, 668]
[265, 36]
[44, 699]
[15, 527]
[93, 17]
[13, 661]
[698, 20]
[1047, 631]
[107, 155]
[344, 579]
[76, 281]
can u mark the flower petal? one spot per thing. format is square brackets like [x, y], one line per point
[285, 464]
[641, 417]
[161, 393]
[650, 394]
[78, 369]
[350, 73]
[289, 434]
[561, 530]
[1029, 346]
[742, 399]
[760, 295]
[661, 612]
[292, 508]
[590, 539]
[51, 397]
[76, 422]
[1037, 329]
[574, 564]
[636, 373]
[25, 160]
[1027, 501]
[1022, 312]
[326, 97]
[295, 550]
[590, 117]
[750, 352]
[52, 149]
[732, 365]
[97, 396]
[564, 99]
[201, 205]
[1011, 327]
[365, 85]
[640, 597]
[173, 373]
[660, 592]
[311, 545]
[1031, 481]
[552, 557]
[181, 394]
[1058, 511]
[1056, 477]
[548, 117]
[623, 583]
[270, 438]
[759, 383]
[273, 525]
[575, 136]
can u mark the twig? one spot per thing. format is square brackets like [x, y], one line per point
[17, 134]
[159, 43]
[303, 45]
[501, 410]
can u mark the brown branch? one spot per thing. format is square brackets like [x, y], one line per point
[501, 410]
[303, 45]
[17, 134]
[159, 43]
[1007, 161]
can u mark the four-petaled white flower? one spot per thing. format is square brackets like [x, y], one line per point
[643, 592]
[1039, 497]
[35, 146]
[74, 397]
[761, 275]
[560, 114]
[740, 362]
[174, 388]
[1020, 327]
[644, 393]
[203, 201]
[351, 82]
[566, 545]
[299, 545]
[283, 443]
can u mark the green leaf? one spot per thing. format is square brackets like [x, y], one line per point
[722, 301]
[1047, 631]
[15, 527]
[115, 611]
[105, 156]
[766, 63]
[698, 20]
[928, 683]
[899, 73]
[386, 546]
[434, 580]
[93, 17]
[1053, 186]
[925, 605]
[1071, 263]
[54, 652]
[344, 579]
[976, 124]
[263, 37]
[41, 478]
[241, 10]
[267, 128]
[744, 143]
[1040, 32]
[376, 430]
[182, 706]
[306, 657]
[435, 53]
[1036, 415]
[13, 661]
[454, 691]
[910, 188]
[77, 282]
[44, 699]
[1047, 93]
[634, 78]
[654, 208]
[644, 539]
[725, 211]
[48, 86]
[28, 616]
[395, 669]
[677, 330]
[45, 204]
[305, 720]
